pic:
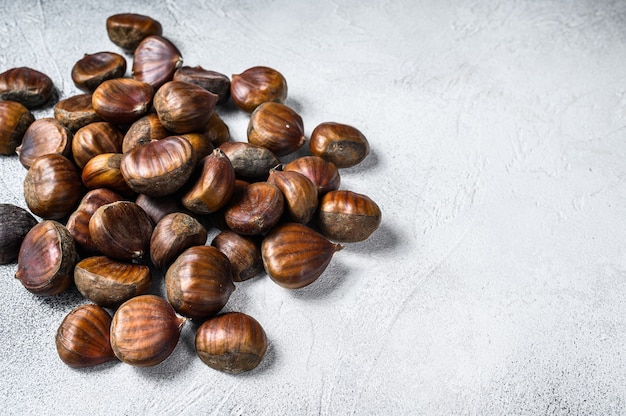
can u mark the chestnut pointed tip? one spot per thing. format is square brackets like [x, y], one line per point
[338, 247]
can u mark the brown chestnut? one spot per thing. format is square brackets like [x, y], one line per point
[347, 216]
[160, 167]
[127, 30]
[44, 136]
[214, 187]
[243, 252]
[172, 235]
[122, 100]
[46, 260]
[109, 283]
[324, 175]
[255, 209]
[232, 342]
[299, 192]
[121, 230]
[343, 145]
[15, 223]
[76, 111]
[216, 130]
[15, 119]
[199, 282]
[78, 222]
[94, 139]
[103, 171]
[294, 255]
[26, 86]
[143, 131]
[159, 207]
[183, 107]
[212, 81]
[145, 331]
[250, 161]
[52, 187]
[155, 60]
[83, 338]
[276, 127]
[257, 85]
[93, 69]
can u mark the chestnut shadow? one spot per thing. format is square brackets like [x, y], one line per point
[64, 301]
[367, 165]
[335, 276]
[385, 239]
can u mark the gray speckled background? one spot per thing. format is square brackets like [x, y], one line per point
[497, 281]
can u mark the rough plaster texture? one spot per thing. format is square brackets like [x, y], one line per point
[497, 281]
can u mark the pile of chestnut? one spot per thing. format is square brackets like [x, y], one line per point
[128, 177]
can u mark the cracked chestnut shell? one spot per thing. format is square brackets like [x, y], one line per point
[127, 30]
[183, 107]
[199, 283]
[83, 337]
[172, 235]
[93, 69]
[255, 209]
[15, 119]
[257, 85]
[109, 283]
[145, 331]
[348, 216]
[155, 60]
[160, 167]
[44, 136]
[232, 342]
[295, 256]
[52, 187]
[122, 100]
[15, 223]
[121, 230]
[276, 127]
[343, 145]
[46, 260]
[76, 111]
[27, 86]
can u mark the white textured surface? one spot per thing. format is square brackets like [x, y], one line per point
[497, 281]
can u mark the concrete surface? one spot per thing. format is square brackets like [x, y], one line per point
[496, 284]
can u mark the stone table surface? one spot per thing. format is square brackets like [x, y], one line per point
[496, 283]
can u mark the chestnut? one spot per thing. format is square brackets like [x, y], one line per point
[94, 139]
[27, 86]
[243, 252]
[277, 127]
[250, 161]
[76, 111]
[93, 69]
[299, 192]
[122, 100]
[341, 144]
[183, 107]
[44, 136]
[155, 60]
[103, 171]
[172, 235]
[255, 209]
[212, 81]
[143, 131]
[348, 216]
[324, 174]
[257, 85]
[14, 121]
[15, 223]
[232, 342]
[127, 30]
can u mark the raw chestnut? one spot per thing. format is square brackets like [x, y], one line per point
[160, 167]
[44, 136]
[199, 283]
[145, 330]
[257, 85]
[122, 100]
[46, 260]
[172, 235]
[214, 187]
[295, 256]
[255, 209]
[93, 69]
[14, 121]
[347, 216]
[15, 223]
[94, 139]
[201, 144]
[324, 175]
[143, 131]
[243, 252]
[52, 187]
[341, 144]
[250, 161]
[83, 339]
[26, 86]
[103, 171]
[121, 230]
[183, 107]
[276, 127]
[78, 221]
[159, 207]
[299, 192]
[155, 60]
[127, 30]
[76, 111]
[212, 81]
[216, 130]
[232, 342]
[109, 283]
